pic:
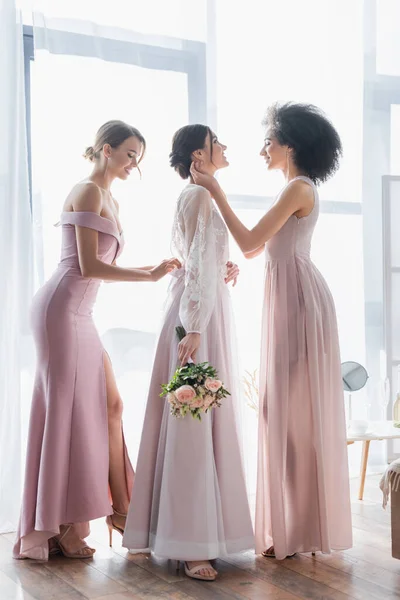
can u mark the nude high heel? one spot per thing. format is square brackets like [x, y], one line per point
[78, 553]
[111, 525]
[193, 573]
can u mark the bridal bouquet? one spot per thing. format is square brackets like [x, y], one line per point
[194, 388]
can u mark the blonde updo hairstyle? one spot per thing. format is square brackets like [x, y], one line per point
[113, 133]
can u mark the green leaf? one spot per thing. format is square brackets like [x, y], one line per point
[180, 332]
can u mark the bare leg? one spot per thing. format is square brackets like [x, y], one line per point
[117, 478]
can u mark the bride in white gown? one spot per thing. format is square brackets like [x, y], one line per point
[189, 499]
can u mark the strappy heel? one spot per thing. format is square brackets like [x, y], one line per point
[270, 553]
[193, 572]
[78, 553]
[54, 548]
[111, 525]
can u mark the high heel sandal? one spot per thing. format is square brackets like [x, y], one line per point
[111, 525]
[54, 548]
[78, 553]
[269, 553]
[193, 573]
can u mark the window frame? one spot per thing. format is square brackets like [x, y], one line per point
[149, 52]
[380, 92]
[28, 57]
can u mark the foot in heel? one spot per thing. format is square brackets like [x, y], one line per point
[71, 545]
[200, 569]
[116, 522]
[270, 553]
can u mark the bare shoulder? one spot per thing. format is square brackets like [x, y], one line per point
[299, 195]
[85, 196]
[301, 187]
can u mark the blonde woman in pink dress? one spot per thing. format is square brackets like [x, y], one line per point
[76, 460]
[303, 500]
[189, 500]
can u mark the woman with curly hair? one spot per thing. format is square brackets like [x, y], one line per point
[303, 500]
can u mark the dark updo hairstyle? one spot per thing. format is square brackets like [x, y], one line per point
[187, 140]
[113, 133]
[315, 142]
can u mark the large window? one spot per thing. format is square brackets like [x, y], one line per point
[76, 84]
[162, 69]
[300, 61]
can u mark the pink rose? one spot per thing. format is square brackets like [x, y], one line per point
[213, 385]
[171, 397]
[185, 394]
[207, 400]
[197, 403]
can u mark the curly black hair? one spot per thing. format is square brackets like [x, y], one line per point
[185, 141]
[315, 142]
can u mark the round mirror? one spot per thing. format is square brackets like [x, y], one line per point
[354, 376]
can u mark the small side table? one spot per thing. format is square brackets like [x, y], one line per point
[380, 430]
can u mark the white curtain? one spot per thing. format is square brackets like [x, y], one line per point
[16, 273]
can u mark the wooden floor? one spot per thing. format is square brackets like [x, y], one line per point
[365, 572]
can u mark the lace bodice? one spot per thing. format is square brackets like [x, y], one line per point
[200, 239]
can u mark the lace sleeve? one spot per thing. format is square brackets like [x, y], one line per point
[201, 270]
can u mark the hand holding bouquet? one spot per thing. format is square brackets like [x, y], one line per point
[194, 388]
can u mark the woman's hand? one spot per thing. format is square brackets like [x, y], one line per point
[187, 347]
[232, 273]
[166, 266]
[200, 178]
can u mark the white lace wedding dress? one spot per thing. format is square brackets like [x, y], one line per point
[189, 498]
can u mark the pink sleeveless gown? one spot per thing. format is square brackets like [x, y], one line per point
[303, 498]
[66, 479]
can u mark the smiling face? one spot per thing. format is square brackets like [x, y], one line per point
[124, 158]
[275, 155]
[212, 155]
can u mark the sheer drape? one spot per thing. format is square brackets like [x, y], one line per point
[16, 357]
